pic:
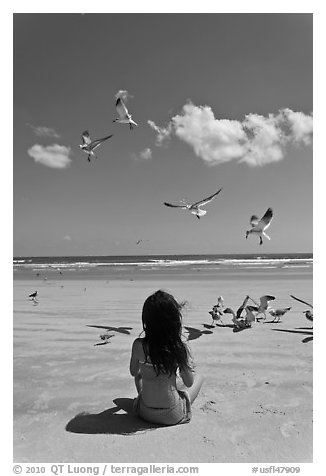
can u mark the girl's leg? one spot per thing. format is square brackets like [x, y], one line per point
[194, 389]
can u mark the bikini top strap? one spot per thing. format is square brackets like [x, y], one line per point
[145, 353]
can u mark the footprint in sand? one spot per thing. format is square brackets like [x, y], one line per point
[209, 406]
[289, 429]
[264, 410]
[42, 402]
[207, 440]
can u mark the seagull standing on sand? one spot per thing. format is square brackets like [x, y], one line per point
[195, 207]
[88, 146]
[309, 314]
[278, 313]
[105, 338]
[249, 317]
[220, 302]
[140, 241]
[258, 227]
[124, 117]
[239, 322]
[216, 314]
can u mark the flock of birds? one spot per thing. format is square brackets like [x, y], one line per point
[255, 312]
[124, 117]
[258, 226]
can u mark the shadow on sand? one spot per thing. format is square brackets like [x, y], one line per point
[122, 330]
[210, 326]
[194, 333]
[301, 330]
[110, 421]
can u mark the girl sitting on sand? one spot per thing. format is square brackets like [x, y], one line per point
[155, 361]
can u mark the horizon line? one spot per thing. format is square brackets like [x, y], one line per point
[159, 254]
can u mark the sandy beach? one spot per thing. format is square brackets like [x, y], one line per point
[72, 399]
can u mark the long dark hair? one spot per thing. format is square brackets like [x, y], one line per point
[162, 323]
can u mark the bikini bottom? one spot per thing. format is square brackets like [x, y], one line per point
[179, 413]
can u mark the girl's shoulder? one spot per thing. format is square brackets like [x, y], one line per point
[137, 348]
[138, 341]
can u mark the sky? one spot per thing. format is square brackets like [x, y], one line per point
[221, 100]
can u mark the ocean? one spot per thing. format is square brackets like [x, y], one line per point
[148, 265]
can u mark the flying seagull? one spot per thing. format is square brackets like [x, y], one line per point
[124, 115]
[278, 313]
[195, 207]
[33, 296]
[259, 226]
[88, 146]
[309, 314]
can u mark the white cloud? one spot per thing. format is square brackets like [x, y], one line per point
[264, 140]
[54, 156]
[257, 140]
[144, 155]
[44, 131]
[213, 140]
[67, 238]
[300, 124]
[163, 133]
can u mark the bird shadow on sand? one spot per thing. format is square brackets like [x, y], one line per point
[240, 329]
[208, 326]
[307, 339]
[301, 330]
[211, 326]
[122, 330]
[110, 421]
[194, 333]
[230, 326]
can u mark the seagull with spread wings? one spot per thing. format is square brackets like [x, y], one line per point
[263, 305]
[195, 207]
[309, 314]
[88, 145]
[124, 116]
[258, 227]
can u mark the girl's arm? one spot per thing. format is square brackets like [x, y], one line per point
[134, 360]
[188, 373]
[187, 376]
